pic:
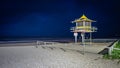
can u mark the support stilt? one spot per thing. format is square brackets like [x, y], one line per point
[75, 39]
[75, 35]
[83, 41]
[90, 38]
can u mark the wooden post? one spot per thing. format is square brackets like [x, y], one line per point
[110, 51]
[37, 44]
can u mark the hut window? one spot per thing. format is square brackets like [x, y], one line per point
[87, 23]
[79, 24]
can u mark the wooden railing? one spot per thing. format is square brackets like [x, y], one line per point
[113, 48]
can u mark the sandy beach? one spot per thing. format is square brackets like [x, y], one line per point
[68, 55]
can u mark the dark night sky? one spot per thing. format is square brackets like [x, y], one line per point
[51, 18]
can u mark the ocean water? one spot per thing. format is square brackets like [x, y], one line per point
[28, 40]
[60, 40]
